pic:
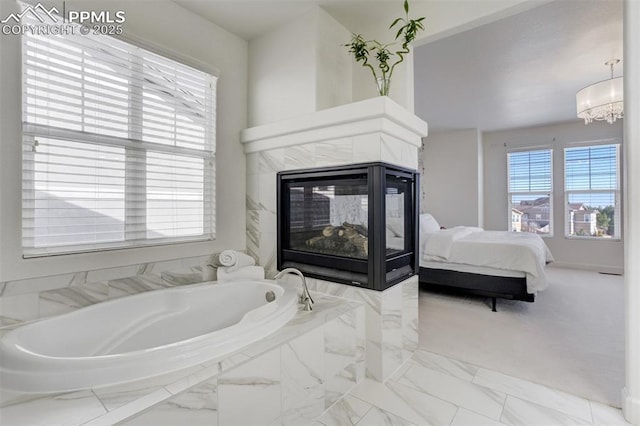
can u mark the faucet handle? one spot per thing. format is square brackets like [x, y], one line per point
[307, 304]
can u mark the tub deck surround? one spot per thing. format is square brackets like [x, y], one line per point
[142, 336]
[372, 130]
[302, 369]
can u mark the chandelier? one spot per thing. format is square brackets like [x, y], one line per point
[602, 101]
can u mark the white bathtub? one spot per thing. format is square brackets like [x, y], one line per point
[141, 336]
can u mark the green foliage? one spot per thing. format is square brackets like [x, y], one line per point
[605, 219]
[386, 58]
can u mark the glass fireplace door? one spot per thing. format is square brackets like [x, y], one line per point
[398, 210]
[329, 217]
[352, 224]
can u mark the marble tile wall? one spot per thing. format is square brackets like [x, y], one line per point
[26, 300]
[292, 384]
[391, 319]
[261, 179]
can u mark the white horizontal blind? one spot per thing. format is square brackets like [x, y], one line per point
[530, 171]
[592, 188]
[119, 146]
[530, 184]
[591, 168]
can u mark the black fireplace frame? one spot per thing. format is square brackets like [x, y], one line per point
[378, 271]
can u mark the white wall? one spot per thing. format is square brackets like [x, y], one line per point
[298, 68]
[179, 32]
[333, 64]
[282, 72]
[631, 391]
[602, 255]
[452, 176]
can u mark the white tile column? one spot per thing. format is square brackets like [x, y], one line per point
[372, 130]
[631, 391]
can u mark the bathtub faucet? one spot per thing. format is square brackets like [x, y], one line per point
[305, 297]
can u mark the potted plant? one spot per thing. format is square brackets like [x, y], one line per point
[387, 58]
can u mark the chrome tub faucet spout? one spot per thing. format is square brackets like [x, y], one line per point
[305, 297]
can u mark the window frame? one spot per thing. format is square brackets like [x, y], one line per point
[549, 193]
[617, 193]
[31, 132]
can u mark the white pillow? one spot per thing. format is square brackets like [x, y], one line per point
[428, 224]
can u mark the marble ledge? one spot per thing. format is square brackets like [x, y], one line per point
[126, 400]
[379, 115]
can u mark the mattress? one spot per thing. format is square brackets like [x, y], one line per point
[472, 269]
[498, 250]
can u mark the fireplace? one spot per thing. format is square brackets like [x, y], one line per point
[354, 224]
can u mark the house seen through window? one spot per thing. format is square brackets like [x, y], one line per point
[118, 146]
[530, 191]
[592, 191]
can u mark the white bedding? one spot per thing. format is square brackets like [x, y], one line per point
[515, 251]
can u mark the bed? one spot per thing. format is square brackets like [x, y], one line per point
[495, 264]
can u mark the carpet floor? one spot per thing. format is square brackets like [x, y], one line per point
[571, 338]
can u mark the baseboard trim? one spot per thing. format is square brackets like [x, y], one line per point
[630, 408]
[596, 268]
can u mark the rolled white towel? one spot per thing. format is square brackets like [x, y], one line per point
[232, 259]
[247, 272]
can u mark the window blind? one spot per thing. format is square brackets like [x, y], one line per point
[592, 186]
[530, 171]
[530, 186]
[591, 168]
[118, 146]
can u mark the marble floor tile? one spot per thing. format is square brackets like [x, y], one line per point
[378, 417]
[465, 417]
[346, 412]
[462, 393]
[561, 401]
[414, 406]
[449, 366]
[518, 412]
[606, 415]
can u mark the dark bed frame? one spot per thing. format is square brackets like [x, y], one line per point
[512, 288]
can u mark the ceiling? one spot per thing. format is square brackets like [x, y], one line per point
[248, 18]
[251, 18]
[520, 71]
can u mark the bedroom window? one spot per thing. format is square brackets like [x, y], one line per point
[530, 191]
[118, 147]
[592, 191]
